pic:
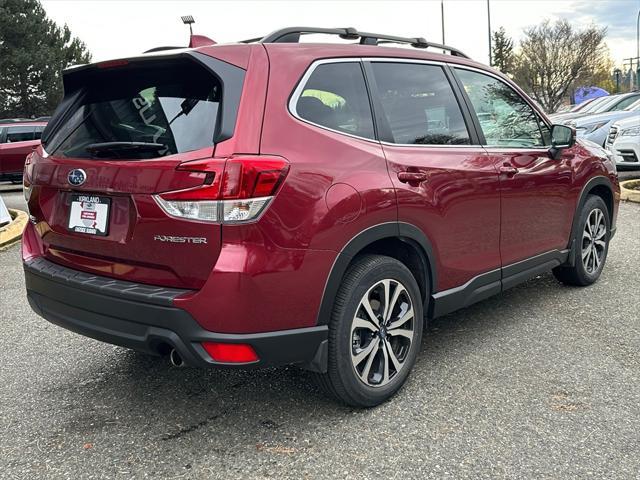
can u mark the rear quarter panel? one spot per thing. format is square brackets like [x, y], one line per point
[338, 185]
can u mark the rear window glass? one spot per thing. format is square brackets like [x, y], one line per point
[164, 111]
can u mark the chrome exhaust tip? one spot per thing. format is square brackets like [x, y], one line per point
[176, 359]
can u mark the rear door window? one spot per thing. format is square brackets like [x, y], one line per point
[19, 134]
[163, 111]
[419, 104]
[335, 97]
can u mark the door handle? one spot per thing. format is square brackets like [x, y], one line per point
[509, 170]
[412, 177]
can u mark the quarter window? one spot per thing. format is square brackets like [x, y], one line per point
[419, 104]
[335, 96]
[506, 119]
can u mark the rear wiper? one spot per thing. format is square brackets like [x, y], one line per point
[115, 147]
[185, 108]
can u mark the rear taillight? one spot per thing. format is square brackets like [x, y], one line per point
[234, 190]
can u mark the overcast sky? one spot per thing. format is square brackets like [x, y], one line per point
[118, 28]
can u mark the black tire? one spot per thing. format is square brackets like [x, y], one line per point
[371, 276]
[587, 270]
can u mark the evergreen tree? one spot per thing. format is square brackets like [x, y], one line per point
[33, 53]
[502, 51]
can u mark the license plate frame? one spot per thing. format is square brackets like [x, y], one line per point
[89, 214]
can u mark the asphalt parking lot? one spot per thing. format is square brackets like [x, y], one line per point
[543, 381]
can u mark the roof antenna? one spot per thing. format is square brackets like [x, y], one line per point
[188, 20]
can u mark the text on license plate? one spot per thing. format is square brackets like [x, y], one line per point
[89, 214]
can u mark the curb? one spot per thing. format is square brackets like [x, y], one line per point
[9, 234]
[626, 193]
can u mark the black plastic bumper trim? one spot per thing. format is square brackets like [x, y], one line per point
[122, 315]
[46, 269]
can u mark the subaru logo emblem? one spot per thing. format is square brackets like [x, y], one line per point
[76, 177]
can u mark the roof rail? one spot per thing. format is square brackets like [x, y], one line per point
[292, 35]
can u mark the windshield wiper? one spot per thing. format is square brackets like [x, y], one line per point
[122, 147]
[185, 108]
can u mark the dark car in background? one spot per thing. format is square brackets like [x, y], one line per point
[18, 138]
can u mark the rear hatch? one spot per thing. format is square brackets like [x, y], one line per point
[112, 145]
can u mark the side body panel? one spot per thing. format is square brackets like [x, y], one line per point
[457, 207]
[537, 201]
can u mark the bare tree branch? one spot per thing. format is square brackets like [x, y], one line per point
[555, 58]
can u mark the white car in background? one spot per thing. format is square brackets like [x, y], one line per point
[624, 142]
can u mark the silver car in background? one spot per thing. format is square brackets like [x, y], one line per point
[596, 127]
[604, 104]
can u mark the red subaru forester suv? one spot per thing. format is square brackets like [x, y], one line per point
[274, 202]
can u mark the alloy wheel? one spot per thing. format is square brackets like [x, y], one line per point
[381, 332]
[594, 241]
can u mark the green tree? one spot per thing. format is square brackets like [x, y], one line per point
[33, 53]
[555, 59]
[502, 51]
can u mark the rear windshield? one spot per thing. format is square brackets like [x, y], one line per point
[162, 110]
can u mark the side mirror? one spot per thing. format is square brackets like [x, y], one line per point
[562, 137]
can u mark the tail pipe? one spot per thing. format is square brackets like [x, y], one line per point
[176, 359]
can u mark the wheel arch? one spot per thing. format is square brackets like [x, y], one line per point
[399, 240]
[606, 193]
[600, 186]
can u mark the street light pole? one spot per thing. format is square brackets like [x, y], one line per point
[489, 26]
[442, 17]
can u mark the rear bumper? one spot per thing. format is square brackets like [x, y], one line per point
[144, 318]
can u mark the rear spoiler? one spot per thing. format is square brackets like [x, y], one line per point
[230, 76]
